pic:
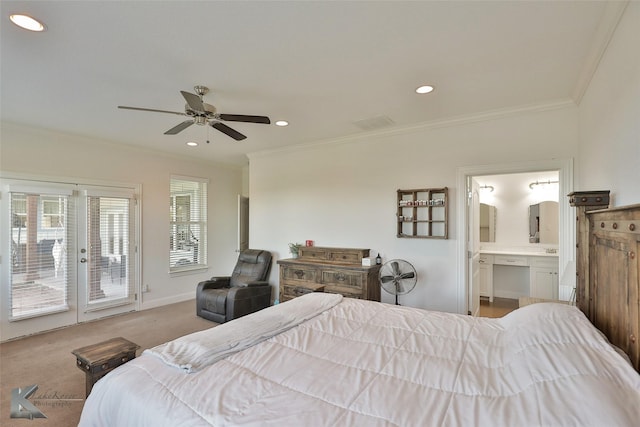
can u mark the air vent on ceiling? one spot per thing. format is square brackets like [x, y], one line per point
[374, 123]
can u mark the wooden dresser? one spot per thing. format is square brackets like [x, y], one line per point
[334, 270]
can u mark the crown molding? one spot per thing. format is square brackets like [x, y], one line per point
[434, 124]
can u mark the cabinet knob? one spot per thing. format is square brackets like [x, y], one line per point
[632, 338]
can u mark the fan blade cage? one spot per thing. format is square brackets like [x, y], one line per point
[397, 277]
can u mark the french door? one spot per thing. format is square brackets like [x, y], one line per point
[71, 255]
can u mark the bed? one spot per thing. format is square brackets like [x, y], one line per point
[325, 360]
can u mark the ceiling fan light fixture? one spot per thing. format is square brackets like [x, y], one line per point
[424, 89]
[192, 144]
[27, 22]
[282, 123]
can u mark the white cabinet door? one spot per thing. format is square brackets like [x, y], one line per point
[544, 282]
[486, 276]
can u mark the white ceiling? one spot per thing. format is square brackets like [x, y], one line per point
[320, 65]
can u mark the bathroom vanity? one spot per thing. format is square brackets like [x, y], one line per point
[540, 269]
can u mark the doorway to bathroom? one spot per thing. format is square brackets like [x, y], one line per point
[512, 256]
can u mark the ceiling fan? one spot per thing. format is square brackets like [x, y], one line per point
[202, 113]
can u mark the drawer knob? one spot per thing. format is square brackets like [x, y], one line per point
[341, 277]
[124, 359]
[299, 273]
[632, 338]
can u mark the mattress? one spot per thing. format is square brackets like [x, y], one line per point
[364, 363]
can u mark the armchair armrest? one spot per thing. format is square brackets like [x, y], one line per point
[258, 283]
[214, 283]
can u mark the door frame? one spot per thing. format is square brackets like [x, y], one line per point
[69, 182]
[566, 225]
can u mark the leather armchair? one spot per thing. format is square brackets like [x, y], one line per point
[221, 299]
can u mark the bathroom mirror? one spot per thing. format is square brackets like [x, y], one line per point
[543, 222]
[487, 223]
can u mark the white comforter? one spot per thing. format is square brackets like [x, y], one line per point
[363, 363]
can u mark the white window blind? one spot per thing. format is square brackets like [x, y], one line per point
[188, 224]
[110, 267]
[42, 227]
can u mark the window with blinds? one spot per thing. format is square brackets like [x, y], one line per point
[188, 224]
[41, 232]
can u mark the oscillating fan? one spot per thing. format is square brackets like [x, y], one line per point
[397, 277]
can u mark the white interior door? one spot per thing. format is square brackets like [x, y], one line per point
[243, 223]
[473, 246]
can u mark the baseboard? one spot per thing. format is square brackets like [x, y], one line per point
[159, 302]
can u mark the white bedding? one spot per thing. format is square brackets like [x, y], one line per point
[196, 351]
[362, 363]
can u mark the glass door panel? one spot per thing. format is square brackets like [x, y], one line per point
[107, 282]
[38, 290]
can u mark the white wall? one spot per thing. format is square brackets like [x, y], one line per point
[609, 117]
[344, 193]
[46, 153]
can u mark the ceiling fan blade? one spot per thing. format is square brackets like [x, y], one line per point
[150, 109]
[244, 118]
[179, 128]
[228, 131]
[193, 100]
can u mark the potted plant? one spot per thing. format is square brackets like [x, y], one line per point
[294, 248]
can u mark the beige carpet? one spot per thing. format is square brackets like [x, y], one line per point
[46, 360]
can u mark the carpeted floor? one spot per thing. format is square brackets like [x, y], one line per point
[45, 360]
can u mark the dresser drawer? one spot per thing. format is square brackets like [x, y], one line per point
[342, 278]
[346, 257]
[290, 291]
[299, 273]
[313, 253]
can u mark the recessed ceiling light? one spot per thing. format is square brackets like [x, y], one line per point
[27, 22]
[192, 144]
[282, 123]
[424, 89]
